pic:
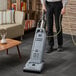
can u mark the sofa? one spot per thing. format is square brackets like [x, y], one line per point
[13, 23]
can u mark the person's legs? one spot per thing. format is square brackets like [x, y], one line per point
[49, 17]
[58, 20]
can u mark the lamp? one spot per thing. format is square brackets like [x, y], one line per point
[3, 34]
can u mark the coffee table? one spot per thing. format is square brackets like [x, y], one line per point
[10, 43]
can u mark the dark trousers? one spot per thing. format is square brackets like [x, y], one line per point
[54, 10]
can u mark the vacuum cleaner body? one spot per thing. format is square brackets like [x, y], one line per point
[35, 63]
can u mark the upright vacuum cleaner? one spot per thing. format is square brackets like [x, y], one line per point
[36, 63]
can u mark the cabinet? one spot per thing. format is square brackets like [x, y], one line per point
[36, 6]
[32, 10]
[9, 3]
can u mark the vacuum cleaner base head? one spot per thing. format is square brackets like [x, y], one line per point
[34, 67]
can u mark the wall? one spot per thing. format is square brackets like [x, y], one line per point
[3, 4]
[69, 19]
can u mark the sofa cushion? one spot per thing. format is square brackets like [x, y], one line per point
[1, 18]
[4, 17]
[13, 30]
[9, 26]
[8, 17]
[19, 17]
[13, 16]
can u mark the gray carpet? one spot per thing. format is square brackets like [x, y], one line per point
[56, 63]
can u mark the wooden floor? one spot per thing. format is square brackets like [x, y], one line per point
[56, 63]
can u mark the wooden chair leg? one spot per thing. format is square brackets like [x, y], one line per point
[7, 52]
[18, 52]
[21, 38]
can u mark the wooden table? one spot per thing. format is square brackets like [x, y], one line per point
[10, 43]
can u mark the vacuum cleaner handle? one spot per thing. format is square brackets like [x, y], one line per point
[42, 20]
[43, 15]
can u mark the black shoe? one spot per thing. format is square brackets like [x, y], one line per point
[60, 48]
[50, 49]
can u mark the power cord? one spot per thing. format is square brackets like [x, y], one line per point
[59, 29]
